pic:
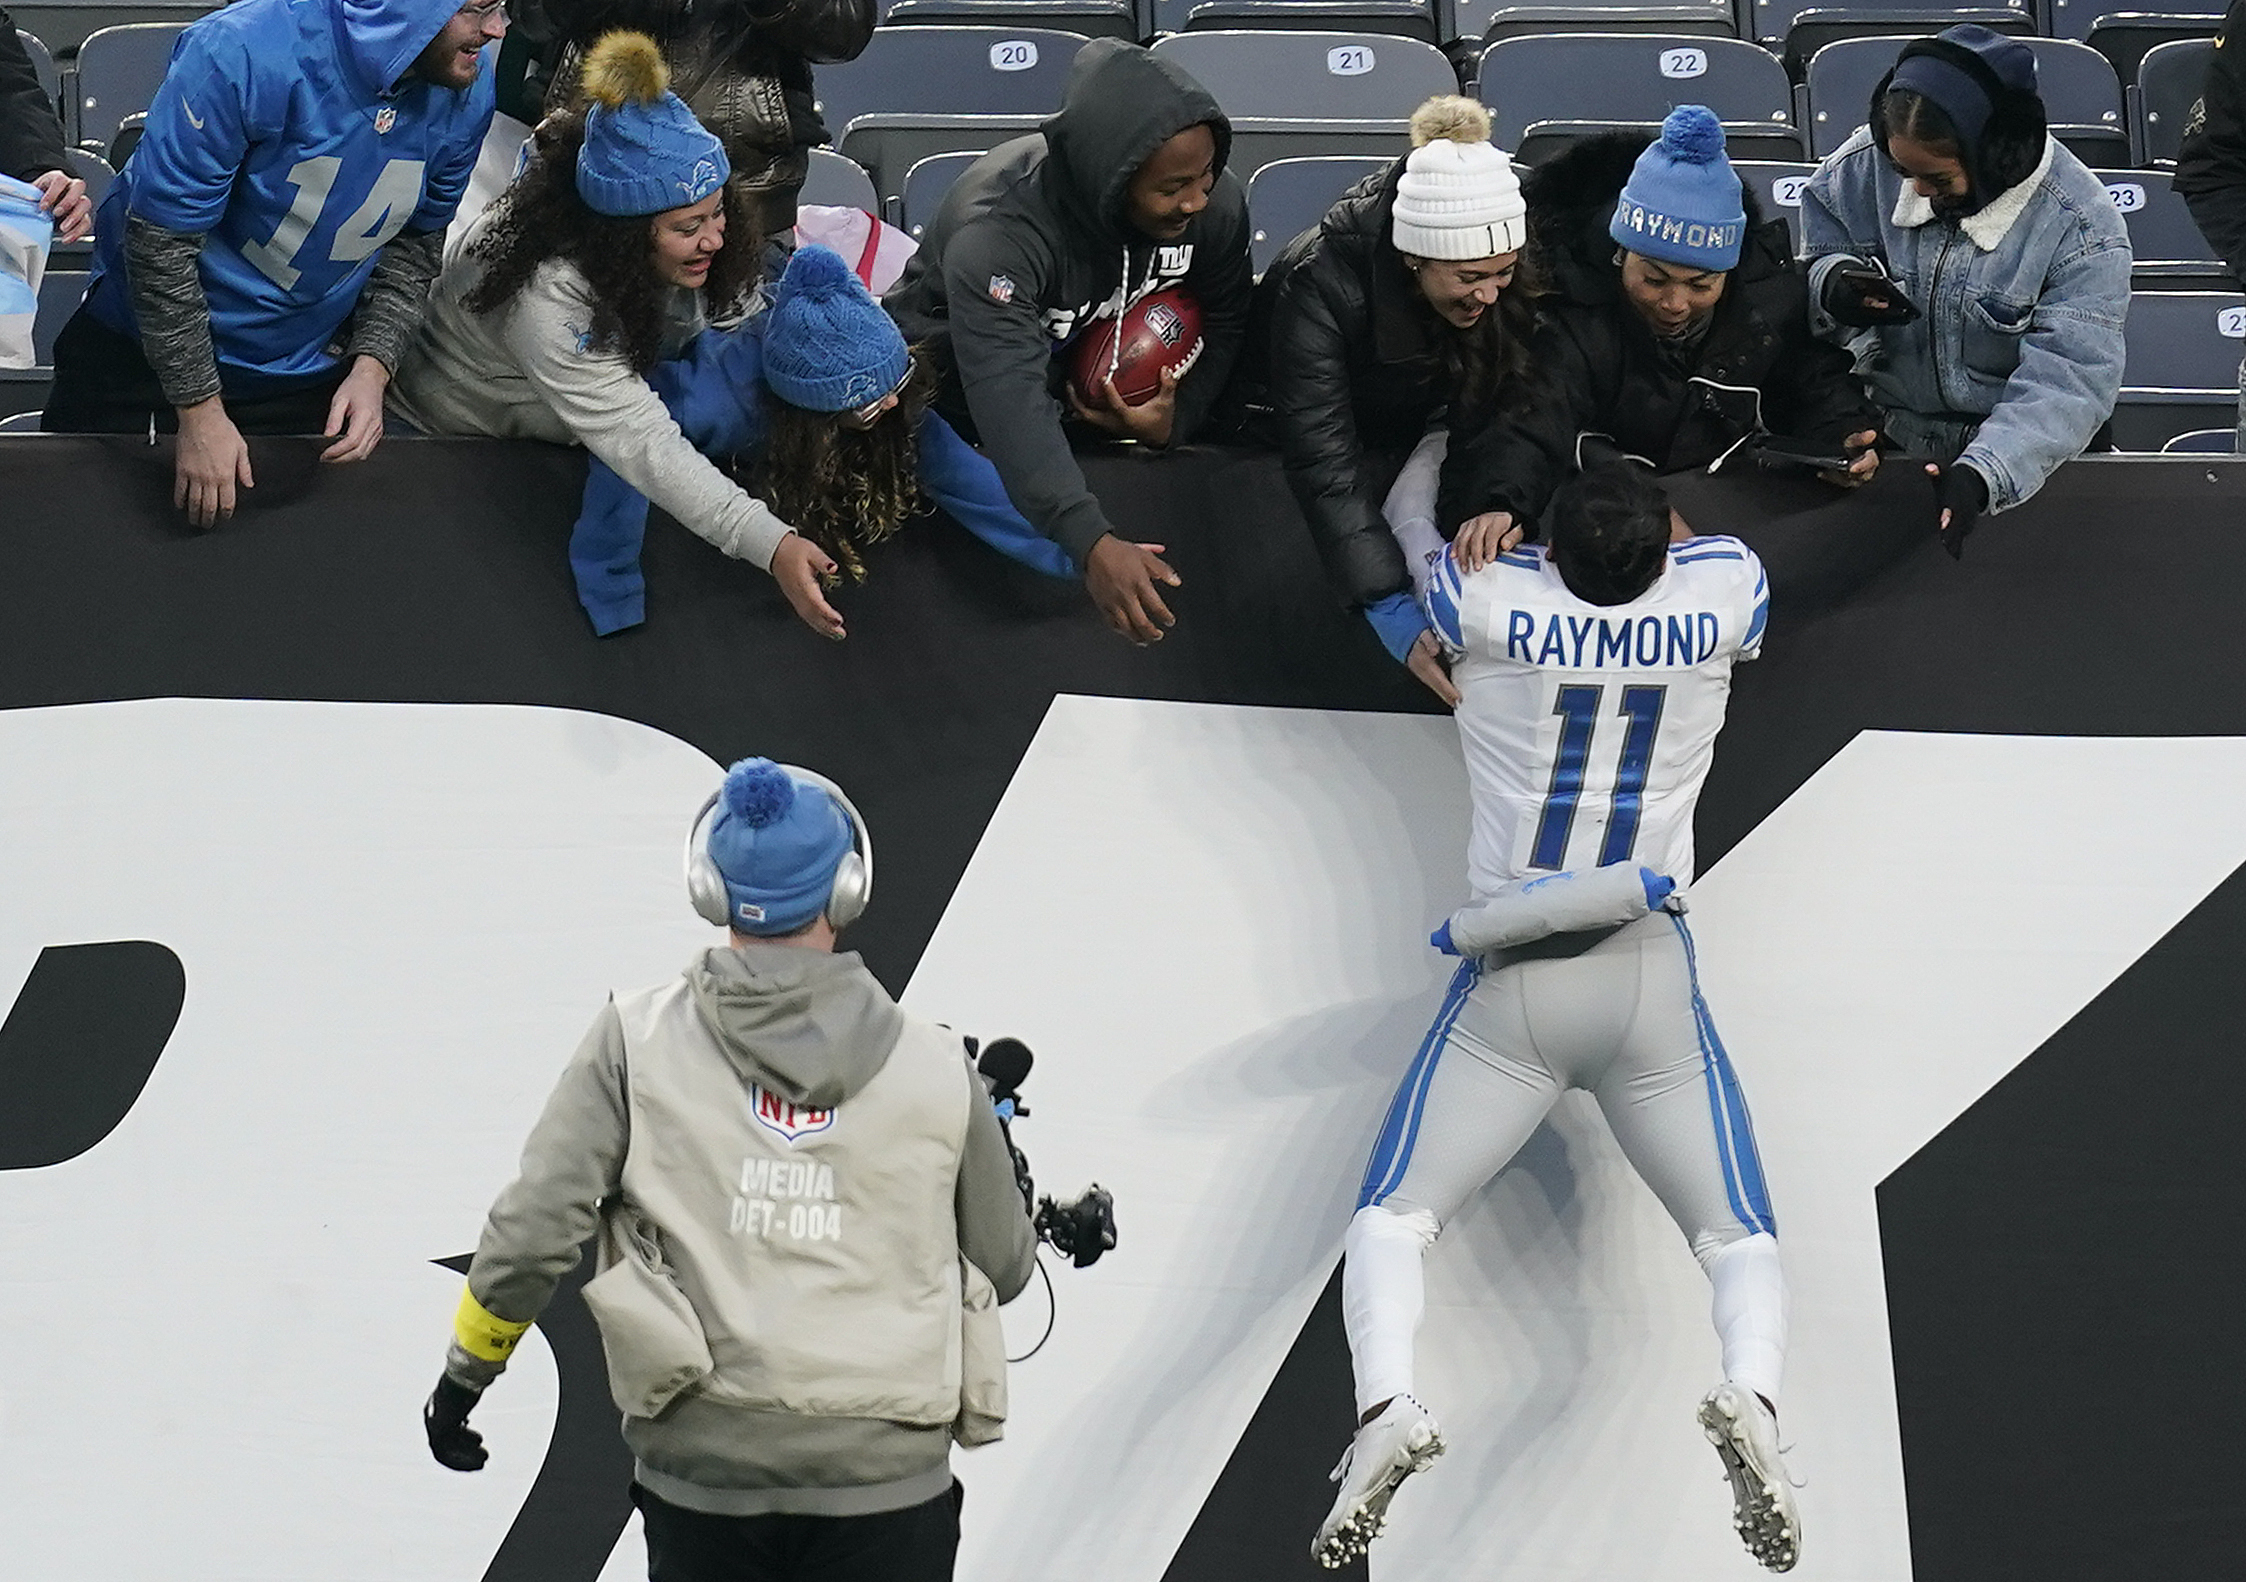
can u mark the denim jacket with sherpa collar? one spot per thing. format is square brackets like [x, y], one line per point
[2015, 359]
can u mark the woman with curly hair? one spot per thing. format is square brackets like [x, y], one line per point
[608, 254]
[1409, 304]
[825, 411]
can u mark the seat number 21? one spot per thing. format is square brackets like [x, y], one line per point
[396, 194]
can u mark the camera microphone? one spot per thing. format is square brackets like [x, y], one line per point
[1004, 1067]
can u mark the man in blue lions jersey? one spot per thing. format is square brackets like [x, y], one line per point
[264, 256]
[1593, 677]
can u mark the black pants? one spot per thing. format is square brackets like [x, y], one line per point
[103, 385]
[916, 1544]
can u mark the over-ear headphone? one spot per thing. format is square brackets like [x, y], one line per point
[847, 897]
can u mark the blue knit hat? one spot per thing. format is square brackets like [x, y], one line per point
[644, 152]
[776, 842]
[1681, 204]
[828, 346]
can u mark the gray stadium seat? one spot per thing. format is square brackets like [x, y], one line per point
[1769, 21]
[2081, 95]
[2168, 82]
[1487, 21]
[835, 182]
[2182, 369]
[119, 70]
[1289, 196]
[925, 186]
[1091, 18]
[1813, 29]
[1628, 77]
[1778, 184]
[20, 423]
[2126, 39]
[90, 168]
[2162, 234]
[918, 91]
[43, 67]
[66, 24]
[1757, 141]
[2203, 442]
[2075, 18]
[1291, 94]
[60, 292]
[1400, 18]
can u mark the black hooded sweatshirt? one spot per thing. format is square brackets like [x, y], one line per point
[30, 137]
[1033, 244]
[1598, 369]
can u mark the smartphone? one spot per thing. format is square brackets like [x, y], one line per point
[1776, 452]
[1872, 282]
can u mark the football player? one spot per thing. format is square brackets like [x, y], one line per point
[1593, 673]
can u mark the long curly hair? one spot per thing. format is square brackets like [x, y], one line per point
[845, 488]
[541, 217]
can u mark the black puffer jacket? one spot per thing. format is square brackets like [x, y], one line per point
[30, 137]
[1354, 376]
[2211, 166]
[1599, 369]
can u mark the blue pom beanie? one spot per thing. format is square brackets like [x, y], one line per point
[1681, 204]
[644, 152]
[828, 345]
[776, 842]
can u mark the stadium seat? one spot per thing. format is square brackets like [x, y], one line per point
[1487, 21]
[60, 292]
[1091, 18]
[1763, 142]
[1778, 184]
[67, 24]
[1398, 18]
[119, 70]
[925, 185]
[2126, 39]
[2081, 95]
[1585, 77]
[839, 183]
[2076, 18]
[1811, 30]
[2162, 234]
[2168, 83]
[1769, 21]
[127, 139]
[2182, 368]
[43, 67]
[20, 423]
[1291, 94]
[1289, 196]
[918, 91]
[2203, 442]
[90, 168]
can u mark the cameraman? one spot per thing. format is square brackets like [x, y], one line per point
[804, 1202]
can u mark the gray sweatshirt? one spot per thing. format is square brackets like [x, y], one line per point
[526, 371]
[792, 1028]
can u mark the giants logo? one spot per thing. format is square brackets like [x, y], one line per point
[791, 1121]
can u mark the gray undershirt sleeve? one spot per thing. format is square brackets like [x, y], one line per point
[164, 268]
[396, 295]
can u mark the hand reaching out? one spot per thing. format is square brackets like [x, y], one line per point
[798, 565]
[1121, 578]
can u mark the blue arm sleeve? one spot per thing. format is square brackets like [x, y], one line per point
[1399, 621]
[699, 389]
[962, 480]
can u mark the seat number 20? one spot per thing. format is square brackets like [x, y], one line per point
[396, 194]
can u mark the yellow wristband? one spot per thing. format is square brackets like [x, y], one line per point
[481, 1334]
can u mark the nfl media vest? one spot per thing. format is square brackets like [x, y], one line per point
[816, 1251]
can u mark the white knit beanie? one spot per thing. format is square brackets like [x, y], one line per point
[1458, 197]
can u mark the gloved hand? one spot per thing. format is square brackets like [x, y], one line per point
[445, 1420]
[1960, 496]
[1862, 294]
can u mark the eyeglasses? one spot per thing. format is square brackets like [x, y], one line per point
[870, 414]
[484, 10]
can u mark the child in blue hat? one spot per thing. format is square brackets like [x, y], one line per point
[825, 409]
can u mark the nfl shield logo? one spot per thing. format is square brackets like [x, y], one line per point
[791, 1121]
[1001, 289]
[384, 119]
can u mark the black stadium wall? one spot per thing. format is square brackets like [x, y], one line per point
[2060, 1262]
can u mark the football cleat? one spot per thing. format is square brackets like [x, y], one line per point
[1745, 1435]
[1402, 1440]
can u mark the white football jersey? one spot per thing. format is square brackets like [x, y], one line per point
[1589, 728]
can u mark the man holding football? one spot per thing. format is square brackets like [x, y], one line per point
[1122, 195]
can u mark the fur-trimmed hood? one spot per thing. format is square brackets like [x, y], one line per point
[1571, 199]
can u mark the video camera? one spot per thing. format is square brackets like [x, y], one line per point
[1080, 1229]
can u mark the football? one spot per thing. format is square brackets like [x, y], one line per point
[1159, 331]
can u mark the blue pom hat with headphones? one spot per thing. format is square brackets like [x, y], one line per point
[776, 844]
[1681, 204]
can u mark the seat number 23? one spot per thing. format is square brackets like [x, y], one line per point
[396, 194]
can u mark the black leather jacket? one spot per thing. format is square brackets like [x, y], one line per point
[744, 69]
[1599, 370]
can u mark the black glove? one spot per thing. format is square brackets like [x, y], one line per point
[1864, 295]
[1963, 493]
[445, 1418]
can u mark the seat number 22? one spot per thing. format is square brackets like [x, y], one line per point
[396, 194]
[1578, 709]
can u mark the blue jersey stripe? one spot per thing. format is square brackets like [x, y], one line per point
[1399, 1132]
[1741, 1161]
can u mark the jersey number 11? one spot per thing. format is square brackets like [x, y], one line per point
[1578, 709]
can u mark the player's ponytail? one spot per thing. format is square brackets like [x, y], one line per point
[1608, 529]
